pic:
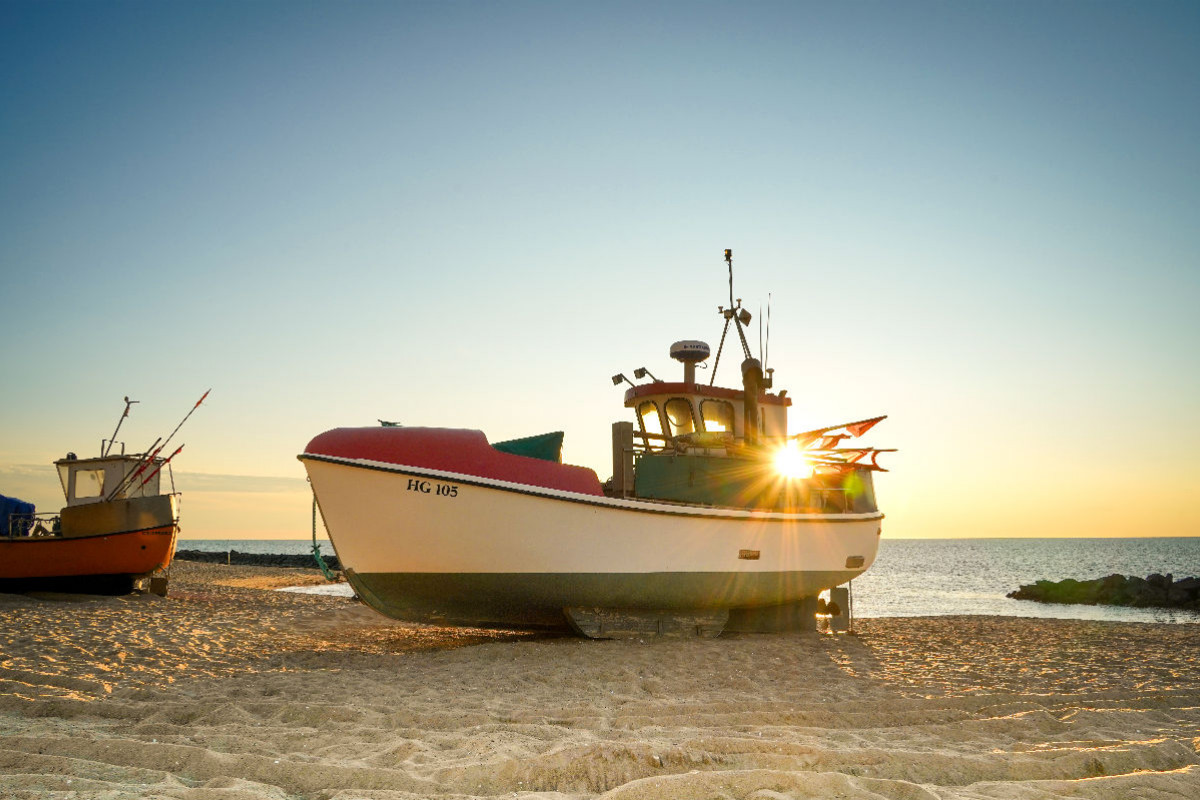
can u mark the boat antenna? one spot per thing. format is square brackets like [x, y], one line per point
[740, 315]
[735, 313]
[729, 261]
[767, 351]
[104, 450]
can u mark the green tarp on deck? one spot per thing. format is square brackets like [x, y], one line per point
[546, 446]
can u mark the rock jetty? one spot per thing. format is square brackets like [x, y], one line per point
[258, 559]
[1153, 591]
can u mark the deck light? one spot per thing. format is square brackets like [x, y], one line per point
[642, 372]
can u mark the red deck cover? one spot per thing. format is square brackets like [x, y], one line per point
[453, 450]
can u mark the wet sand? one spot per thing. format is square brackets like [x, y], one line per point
[226, 690]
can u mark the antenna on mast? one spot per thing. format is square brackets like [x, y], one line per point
[729, 261]
[761, 357]
[767, 351]
[739, 316]
[104, 450]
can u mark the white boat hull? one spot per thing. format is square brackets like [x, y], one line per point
[429, 545]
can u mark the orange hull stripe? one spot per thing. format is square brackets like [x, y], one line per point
[132, 553]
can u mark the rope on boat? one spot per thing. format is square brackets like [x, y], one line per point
[316, 549]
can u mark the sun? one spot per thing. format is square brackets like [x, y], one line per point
[791, 463]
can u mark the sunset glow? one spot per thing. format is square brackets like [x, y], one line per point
[968, 217]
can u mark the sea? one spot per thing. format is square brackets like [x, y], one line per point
[945, 577]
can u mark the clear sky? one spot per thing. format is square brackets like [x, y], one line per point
[982, 219]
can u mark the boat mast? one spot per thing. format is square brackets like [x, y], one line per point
[740, 315]
[753, 381]
[736, 314]
[104, 450]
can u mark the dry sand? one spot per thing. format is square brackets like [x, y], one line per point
[228, 691]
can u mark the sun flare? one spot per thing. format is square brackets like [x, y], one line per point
[791, 463]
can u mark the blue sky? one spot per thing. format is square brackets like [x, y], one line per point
[979, 218]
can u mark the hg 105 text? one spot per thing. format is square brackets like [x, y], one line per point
[432, 487]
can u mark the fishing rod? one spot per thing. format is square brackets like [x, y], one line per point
[112, 440]
[142, 461]
[149, 458]
[185, 418]
[158, 469]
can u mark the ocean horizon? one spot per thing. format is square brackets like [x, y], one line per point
[946, 577]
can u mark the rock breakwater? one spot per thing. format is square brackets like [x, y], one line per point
[304, 560]
[1153, 591]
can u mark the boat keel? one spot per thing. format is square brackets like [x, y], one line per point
[629, 623]
[788, 617]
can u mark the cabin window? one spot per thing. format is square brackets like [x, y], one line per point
[89, 482]
[648, 415]
[717, 416]
[679, 416]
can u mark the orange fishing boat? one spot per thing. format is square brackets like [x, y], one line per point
[117, 531]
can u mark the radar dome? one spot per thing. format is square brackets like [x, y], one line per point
[690, 351]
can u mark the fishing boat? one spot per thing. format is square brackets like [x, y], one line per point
[715, 517]
[116, 533]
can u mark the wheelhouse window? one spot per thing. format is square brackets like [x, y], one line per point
[679, 416]
[89, 482]
[717, 416]
[647, 412]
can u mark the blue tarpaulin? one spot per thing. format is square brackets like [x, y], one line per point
[9, 506]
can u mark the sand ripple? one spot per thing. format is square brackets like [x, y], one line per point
[226, 691]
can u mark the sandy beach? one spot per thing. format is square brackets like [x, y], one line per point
[226, 690]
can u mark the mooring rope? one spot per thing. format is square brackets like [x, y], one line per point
[316, 549]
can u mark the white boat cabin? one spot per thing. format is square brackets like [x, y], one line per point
[92, 480]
